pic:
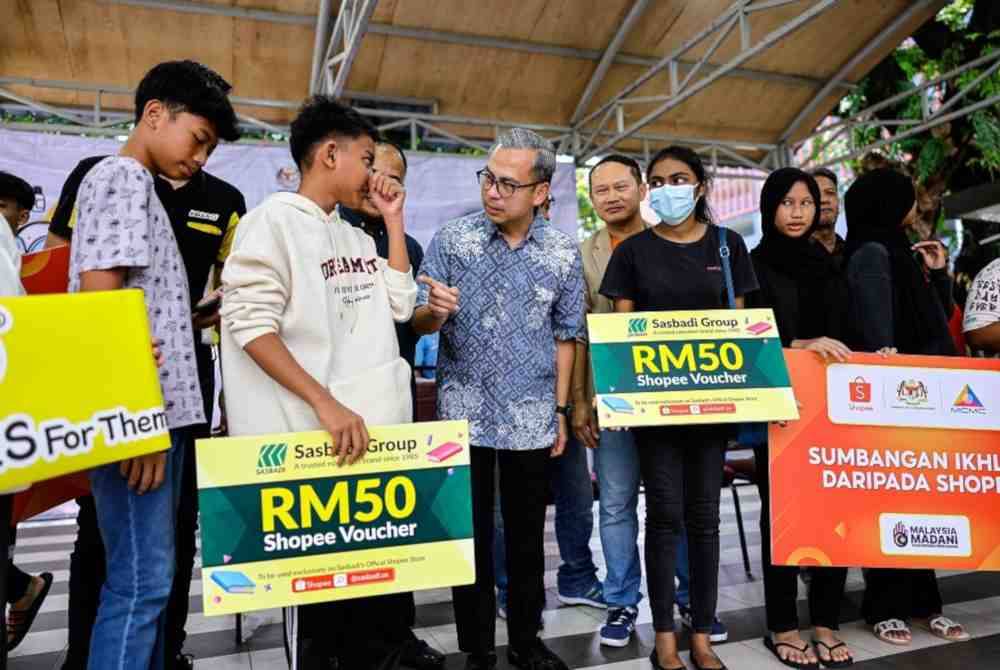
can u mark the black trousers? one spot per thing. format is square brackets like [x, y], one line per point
[781, 587]
[900, 594]
[524, 486]
[682, 470]
[18, 581]
[362, 634]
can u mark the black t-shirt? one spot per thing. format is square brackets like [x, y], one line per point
[204, 214]
[660, 275]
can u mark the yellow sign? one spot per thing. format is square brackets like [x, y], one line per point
[282, 524]
[78, 384]
[664, 368]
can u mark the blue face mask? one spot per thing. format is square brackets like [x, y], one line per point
[673, 204]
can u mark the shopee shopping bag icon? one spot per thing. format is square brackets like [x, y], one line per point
[861, 390]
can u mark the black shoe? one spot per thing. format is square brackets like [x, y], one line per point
[183, 662]
[536, 656]
[481, 662]
[419, 655]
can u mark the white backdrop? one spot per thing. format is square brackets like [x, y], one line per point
[439, 186]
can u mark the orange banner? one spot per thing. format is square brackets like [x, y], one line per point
[895, 462]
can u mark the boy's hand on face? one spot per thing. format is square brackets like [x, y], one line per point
[144, 473]
[350, 436]
[388, 196]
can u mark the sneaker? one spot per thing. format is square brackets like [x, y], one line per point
[619, 627]
[536, 656]
[593, 597]
[719, 631]
[183, 662]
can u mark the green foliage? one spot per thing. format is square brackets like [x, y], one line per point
[986, 135]
[586, 216]
[931, 158]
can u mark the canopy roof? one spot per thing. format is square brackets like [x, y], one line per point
[630, 68]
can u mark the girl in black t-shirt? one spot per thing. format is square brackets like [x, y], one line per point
[676, 265]
[802, 283]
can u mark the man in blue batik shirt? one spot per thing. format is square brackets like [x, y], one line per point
[505, 290]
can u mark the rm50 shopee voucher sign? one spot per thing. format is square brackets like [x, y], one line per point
[666, 368]
[895, 463]
[282, 524]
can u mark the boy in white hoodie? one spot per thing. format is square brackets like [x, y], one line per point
[307, 323]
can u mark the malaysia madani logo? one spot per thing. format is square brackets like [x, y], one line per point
[900, 535]
[637, 326]
[967, 402]
[271, 458]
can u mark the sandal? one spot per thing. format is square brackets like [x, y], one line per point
[698, 667]
[939, 626]
[846, 663]
[773, 647]
[883, 628]
[19, 621]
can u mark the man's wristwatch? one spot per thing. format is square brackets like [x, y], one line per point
[565, 410]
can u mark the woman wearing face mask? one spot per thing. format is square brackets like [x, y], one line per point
[802, 284]
[677, 265]
[900, 297]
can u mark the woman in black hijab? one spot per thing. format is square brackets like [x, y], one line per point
[808, 293]
[900, 298]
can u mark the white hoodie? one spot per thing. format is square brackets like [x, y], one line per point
[10, 284]
[318, 283]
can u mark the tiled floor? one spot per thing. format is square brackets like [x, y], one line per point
[972, 598]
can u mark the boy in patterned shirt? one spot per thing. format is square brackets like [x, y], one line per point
[124, 239]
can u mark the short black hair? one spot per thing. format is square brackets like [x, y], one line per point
[702, 212]
[12, 186]
[824, 172]
[322, 116]
[187, 86]
[399, 150]
[630, 163]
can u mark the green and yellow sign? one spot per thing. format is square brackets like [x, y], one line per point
[282, 524]
[663, 368]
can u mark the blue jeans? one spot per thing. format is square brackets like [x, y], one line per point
[138, 534]
[617, 464]
[574, 500]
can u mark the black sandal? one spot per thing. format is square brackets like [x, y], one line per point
[698, 667]
[829, 652]
[19, 622]
[773, 647]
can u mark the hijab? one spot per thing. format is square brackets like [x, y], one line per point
[876, 205]
[821, 300]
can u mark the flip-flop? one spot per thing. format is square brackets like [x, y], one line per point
[846, 663]
[940, 625]
[882, 628]
[19, 622]
[773, 647]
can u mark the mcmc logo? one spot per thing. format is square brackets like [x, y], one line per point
[637, 327]
[967, 402]
[271, 458]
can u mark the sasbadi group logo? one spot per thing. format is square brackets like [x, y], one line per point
[912, 393]
[271, 458]
[900, 535]
[967, 402]
[637, 327]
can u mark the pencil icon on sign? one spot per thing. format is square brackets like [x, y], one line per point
[444, 452]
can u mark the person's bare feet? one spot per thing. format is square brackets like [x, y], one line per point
[702, 654]
[666, 651]
[828, 638]
[792, 637]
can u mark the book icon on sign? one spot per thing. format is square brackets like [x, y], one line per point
[233, 581]
[759, 327]
[444, 452]
[619, 405]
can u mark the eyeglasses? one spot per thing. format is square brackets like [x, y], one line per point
[505, 187]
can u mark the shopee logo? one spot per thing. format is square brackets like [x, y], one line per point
[861, 390]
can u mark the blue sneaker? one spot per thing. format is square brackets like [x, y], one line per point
[618, 629]
[719, 631]
[593, 597]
